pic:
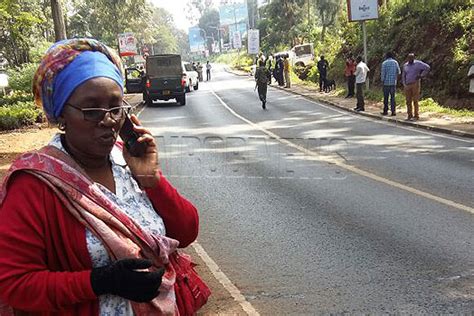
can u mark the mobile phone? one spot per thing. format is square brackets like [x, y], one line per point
[130, 138]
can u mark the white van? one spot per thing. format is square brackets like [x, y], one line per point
[302, 55]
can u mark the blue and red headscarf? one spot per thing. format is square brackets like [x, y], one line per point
[66, 65]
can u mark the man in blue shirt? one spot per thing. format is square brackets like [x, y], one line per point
[390, 72]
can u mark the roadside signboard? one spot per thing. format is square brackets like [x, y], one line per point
[361, 10]
[237, 40]
[127, 44]
[253, 39]
[196, 40]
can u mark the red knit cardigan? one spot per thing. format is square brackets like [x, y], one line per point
[44, 262]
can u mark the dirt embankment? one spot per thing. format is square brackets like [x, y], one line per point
[14, 143]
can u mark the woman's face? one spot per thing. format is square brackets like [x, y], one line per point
[91, 137]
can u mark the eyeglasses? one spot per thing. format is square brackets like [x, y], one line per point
[98, 114]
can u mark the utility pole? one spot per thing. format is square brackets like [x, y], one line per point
[364, 34]
[58, 19]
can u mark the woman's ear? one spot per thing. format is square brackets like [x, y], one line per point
[61, 123]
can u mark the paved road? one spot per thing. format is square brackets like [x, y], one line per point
[310, 210]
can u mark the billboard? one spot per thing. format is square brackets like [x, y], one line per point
[237, 40]
[361, 10]
[241, 28]
[253, 39]
[127, 44]
[197, 42]
[233, 14]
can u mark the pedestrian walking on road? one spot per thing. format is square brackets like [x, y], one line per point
[261, 79]
[349, 73]
[286, 69]
[361, 77]
[413, 71]
[388, 76]
[85, 227]
[208, 71]
[323, 66]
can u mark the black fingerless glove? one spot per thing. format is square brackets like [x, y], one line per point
[120, 278]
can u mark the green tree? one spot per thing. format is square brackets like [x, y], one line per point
[20, 23]
[209, 22]
[328, 10]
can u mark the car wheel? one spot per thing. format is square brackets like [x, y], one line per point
[196, 86]
[181, 100]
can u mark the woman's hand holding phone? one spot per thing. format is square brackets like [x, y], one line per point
[145, 167]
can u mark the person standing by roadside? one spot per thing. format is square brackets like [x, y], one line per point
[270, 65]
[261, 79]
[470, 75]
[199, 71]
[286, 69]
[389, 73]
[413, 71]
[281, 81]
[323, 66]
[208, 71]
[361, 76]
[349, 72]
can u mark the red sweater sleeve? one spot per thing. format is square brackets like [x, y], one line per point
[179, 215]
[27, 281]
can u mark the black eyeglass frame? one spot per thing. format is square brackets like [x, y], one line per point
[124, 107]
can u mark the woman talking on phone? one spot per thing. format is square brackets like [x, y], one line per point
[87, 228]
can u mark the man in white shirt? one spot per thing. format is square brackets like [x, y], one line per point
[361, 76]
[208, 71]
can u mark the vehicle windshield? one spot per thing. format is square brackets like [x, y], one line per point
[162, 66]
[188, 67]
[303, 50]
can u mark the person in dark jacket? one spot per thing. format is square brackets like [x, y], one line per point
[323, 66]
[261, 79]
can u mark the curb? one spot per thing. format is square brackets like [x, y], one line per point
[388, 119]
[227, 69]
[378, 117]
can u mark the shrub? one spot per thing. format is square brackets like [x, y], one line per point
[21, 78]
[14, 97]
[18, 115]
[302, 72]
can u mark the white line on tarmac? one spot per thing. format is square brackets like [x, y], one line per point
[220, 276]
[349, 167]
[224, 280]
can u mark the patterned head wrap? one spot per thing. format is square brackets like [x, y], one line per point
[66, 65]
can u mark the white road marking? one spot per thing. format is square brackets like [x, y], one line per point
[349, 167]
[225, 281]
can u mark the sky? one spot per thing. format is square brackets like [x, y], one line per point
[177, 9]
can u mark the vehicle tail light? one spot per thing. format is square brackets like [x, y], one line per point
[148, 85]
[183, 80]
